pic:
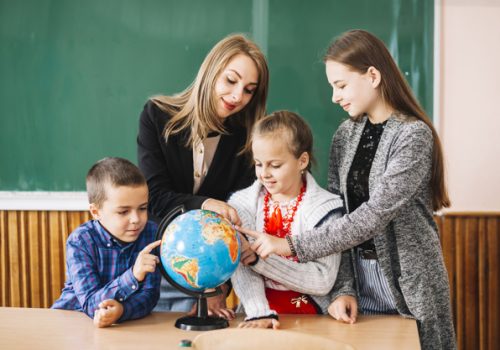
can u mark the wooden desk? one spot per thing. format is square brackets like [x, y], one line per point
[24, 328]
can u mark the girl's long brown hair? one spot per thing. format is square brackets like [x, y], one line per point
[361, 50]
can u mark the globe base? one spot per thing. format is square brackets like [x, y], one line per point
[195, 323]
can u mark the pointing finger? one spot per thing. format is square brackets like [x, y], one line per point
[248, 232]
[151, 246]
[242, 238]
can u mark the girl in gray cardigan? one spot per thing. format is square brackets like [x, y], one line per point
[386, 162]
[284, 201]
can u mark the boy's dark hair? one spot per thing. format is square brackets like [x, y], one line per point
[114, 171]
[294, 127]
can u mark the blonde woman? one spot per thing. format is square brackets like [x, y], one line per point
[192, 145]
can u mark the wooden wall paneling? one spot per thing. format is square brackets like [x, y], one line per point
[459, 300]
[471, 282]
[13, 259]
[34, 258]
[493, 277]
[4, 262]
[63, 235]
[470, 244]
[56, 264]
[74, 219]
[23, 259]
[482, 292]
[46, 258]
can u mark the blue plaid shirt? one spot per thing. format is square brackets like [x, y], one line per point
[98, 267]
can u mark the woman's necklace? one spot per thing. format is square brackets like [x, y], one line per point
[276, 225]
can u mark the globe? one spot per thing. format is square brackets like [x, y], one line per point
[200, 250]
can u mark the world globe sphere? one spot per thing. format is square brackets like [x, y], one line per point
[199, 250]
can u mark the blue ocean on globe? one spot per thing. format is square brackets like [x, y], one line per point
[200, 249]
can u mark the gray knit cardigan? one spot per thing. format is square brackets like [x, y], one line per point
[316, 277]
[399, 217]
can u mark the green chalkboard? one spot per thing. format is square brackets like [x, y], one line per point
[74, 75]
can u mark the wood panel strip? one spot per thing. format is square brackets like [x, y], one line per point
[56, 263]
[13, 259]
[458, 228]
[4, 263]
[482, 293]
[23, 261]
[34, 260]
[45, 263]
[471, 279]
[492, 304]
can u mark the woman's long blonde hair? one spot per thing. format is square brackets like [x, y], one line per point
[361, 50]
[195, 107]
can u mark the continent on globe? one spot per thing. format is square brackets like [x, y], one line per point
[171, 229]
[187, 268]
[213, 232]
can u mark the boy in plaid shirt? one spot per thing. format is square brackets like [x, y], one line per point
[111, 273]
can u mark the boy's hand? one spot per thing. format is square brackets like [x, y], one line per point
[265, 245]
[344, 308]
[247, 255]
[108, 313]
[262, 323]
[145, 262]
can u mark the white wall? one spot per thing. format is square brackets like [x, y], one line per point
[469, 112]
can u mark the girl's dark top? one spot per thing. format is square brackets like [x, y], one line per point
[168, 167]
[357, 180]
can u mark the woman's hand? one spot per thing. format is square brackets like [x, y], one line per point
[344, 308]
[216, 305]
[262, 323]
[265, 244]
[223, 209]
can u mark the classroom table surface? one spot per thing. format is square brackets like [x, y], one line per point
[31, 328]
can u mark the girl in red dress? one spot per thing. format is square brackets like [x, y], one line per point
[284, 201]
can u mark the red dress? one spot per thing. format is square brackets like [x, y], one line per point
[286, 301]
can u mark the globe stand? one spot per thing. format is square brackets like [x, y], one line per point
[200, 322]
